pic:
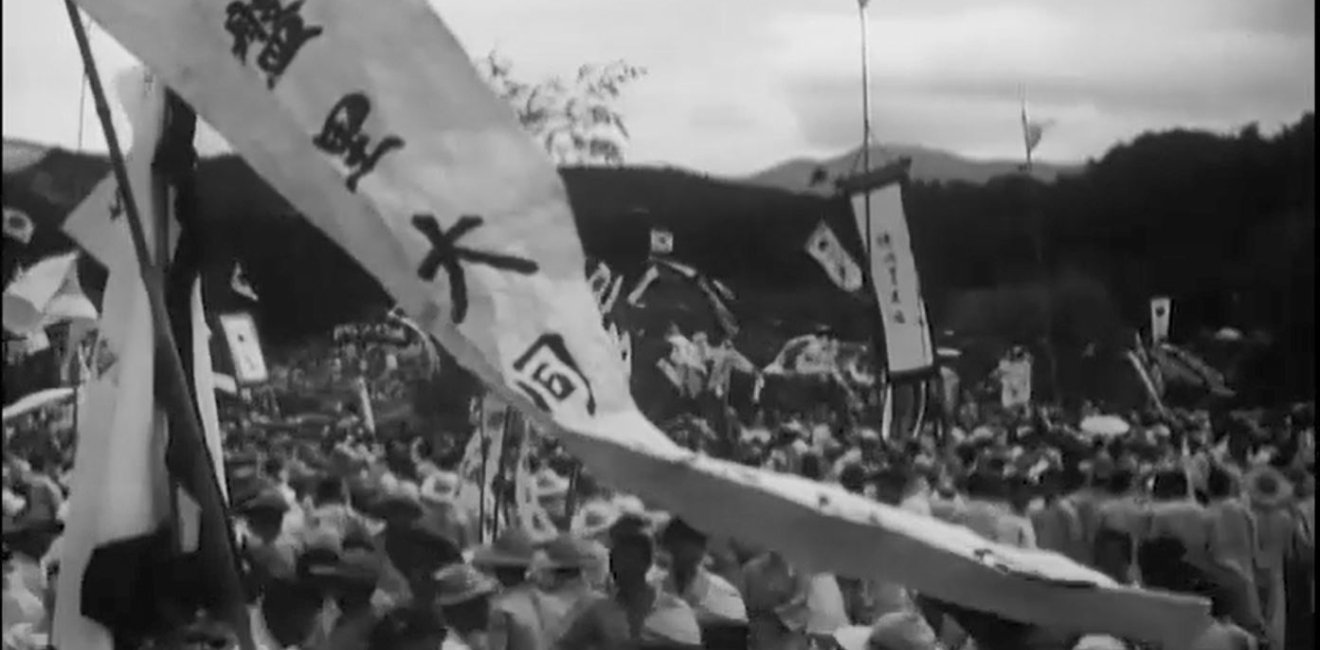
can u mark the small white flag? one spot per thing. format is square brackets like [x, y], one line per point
[239, 283]
[662, 242]
[838, 264]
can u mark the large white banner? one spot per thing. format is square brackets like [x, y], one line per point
[369, 118]
[908, 346]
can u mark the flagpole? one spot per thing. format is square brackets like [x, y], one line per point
[186, 422]
[1029, 144]
[866, 117]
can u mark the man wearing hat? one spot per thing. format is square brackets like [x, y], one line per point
[270, 553]
[351, 582]
[515, 619]
[717, 604]
[1269, 495]
[463, 595]
[636, 613]
[561, 567]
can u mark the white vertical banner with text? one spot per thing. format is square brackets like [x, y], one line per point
[371, 120]
[908, 345]
[1161, 314]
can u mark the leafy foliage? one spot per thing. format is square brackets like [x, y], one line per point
[576, 121]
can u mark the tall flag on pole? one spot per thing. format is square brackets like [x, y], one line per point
[376, 127]
[908, 344]
[1032, 130]
[128, 510]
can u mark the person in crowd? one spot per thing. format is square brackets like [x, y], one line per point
[717, 604]
[1056, 523]
[1232, 524]
[636, 613]
[1269, 495]
[464, 595]
[516, 611]
[787, 607]
[1173, 512]
[564, 590]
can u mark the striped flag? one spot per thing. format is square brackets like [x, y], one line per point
[130, 514]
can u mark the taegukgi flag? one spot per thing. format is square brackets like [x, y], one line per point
[376, 126]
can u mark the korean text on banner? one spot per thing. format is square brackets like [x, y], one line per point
[377, 128]
[908, 346]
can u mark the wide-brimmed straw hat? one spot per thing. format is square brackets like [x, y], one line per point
[514, 548]
[355, 567]
[460, 583]
[1267, 487]
[566, 552]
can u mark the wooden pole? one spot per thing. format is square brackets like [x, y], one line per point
[184, 419]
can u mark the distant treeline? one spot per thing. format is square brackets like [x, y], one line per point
[1224, 224]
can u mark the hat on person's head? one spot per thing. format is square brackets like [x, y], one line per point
[901, 631]
[594, 519]
[566, 552]
[678, 531]
[1099, 642]
[267, 501]
[460, 583]
[441, 488]
[401, 500]
[354, 567]
[513, 548]
[549, 485]
[1267, 487]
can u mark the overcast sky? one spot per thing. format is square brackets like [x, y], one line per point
[738, 85]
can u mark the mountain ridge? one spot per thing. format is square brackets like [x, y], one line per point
[928, 165]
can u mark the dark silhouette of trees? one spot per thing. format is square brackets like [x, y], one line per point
[1222, 223]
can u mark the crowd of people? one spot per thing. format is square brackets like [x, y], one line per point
[353, 542]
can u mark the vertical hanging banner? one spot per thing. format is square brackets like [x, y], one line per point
[373, 123]
[1161, 313]
[908, 345]
[245, 347]
[1015, 379]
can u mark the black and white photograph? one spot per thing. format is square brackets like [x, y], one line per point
[658, 325]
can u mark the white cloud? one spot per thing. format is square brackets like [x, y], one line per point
[736, 85]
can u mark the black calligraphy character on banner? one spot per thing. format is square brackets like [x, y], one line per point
[342, 136]
[548, 372]
[280, 30]
[447, 254]
[117, 204]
